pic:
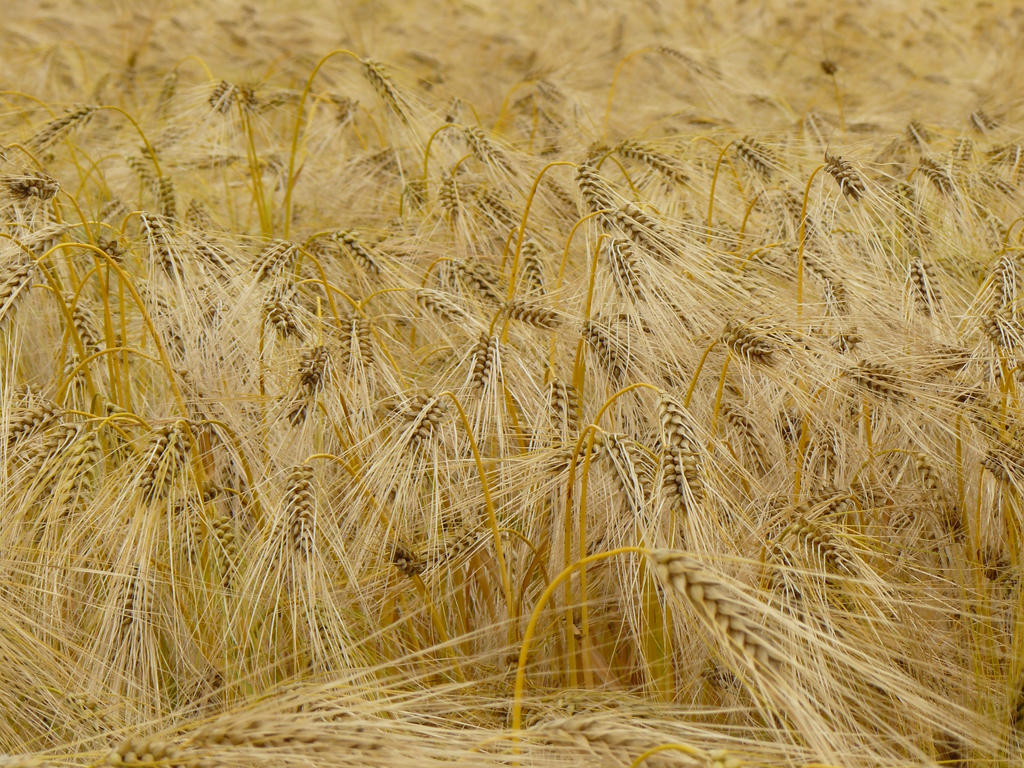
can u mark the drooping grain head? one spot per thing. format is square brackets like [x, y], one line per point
[164, 460]
[300, 509]
[34, 184]
[166, 197]
[483, 358]
[660, 162]
[926, 287]
[681, 460]
[15, 281]
[313, 375]
[822, 548]
[718, 606]
[143, 751]
[533, 268]
[749, 343]
[982, 121]
[354, 246]
[34, 415]
[408, 563]
[273, 260]
[937, 175]
[426, 413]
[534, 315]
[484, 148]
[223, 97]
[595, 192]
[564, 402]
[757, 156]
[877, 378]
[476, 276]
[280, 308]
[850, 182]
[439, 304]
[613, 356]
[60, 127]
[382, 82]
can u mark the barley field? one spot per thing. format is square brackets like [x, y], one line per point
[528, 384]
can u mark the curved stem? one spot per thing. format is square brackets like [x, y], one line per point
[1006, 237]
[714, 183]
[28, 97]
[107, 326]
[587, 433]
[102, 421]
[536, 560]
[305, 253]
[839, 103]
[236, 443]
[94, 167]
[438, 621]
[513, 274]
[332, 288]
[109, 350]
[256, 174]
[149, 147]
[366, 300]
[749, 257]
[800, 250]
[623, 391]
[588, 676]
[290, 178]
[578, 372]
[615, 78]
[504, 102]
[877, 455]
[430, 268]
[197, 60]
[126, 279]
[696, 373]
[27, 152]
[492, 517]
[81, 216]
[721, 389]
[531, 627]
[358, 307]
[743, 224]
[430, 141]
[561, 272]
[568, 242]
[623, 171]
